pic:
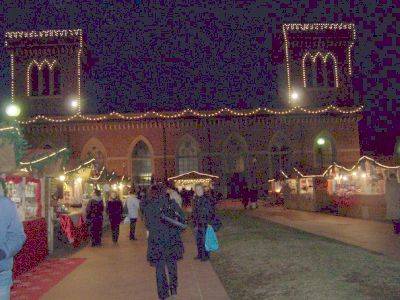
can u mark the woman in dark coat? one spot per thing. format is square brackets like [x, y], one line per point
[165, 245]
[114, 210]
[94, 217]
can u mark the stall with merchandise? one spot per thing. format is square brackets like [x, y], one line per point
[189, 180]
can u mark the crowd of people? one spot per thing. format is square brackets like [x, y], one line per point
[160, 208]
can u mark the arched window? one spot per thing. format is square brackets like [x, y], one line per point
[46, 81]
[141, 164]
[56, 80]
[235, 148]
[308, 72]
[319, 71]
[280, 156]
[324, 151]
[34, 80]
[330, 72]
[188, 156]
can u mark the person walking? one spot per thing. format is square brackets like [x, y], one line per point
[133, 204]
[114, 211]
[203, 215]
[164, 245]
[94, 217]
[392, 197]
[12, 238]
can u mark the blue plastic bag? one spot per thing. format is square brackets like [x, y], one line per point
[211, 243]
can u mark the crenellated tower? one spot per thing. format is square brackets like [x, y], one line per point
[319, 63]
[45, 70]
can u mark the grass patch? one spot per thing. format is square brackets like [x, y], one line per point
[263, 260]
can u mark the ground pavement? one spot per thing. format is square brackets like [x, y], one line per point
[122, 272]
[370, 235]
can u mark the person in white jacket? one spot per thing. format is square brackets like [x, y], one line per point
[174, 195]
[132, 203]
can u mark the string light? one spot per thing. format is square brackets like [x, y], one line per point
[191, 112]
[195, 172]
[12, 78]
[43, 33]
[98, 177]
[43, 158]
[316, 27]
[40, 65]
[324, 59]
[10, 128]
[79, 77]
[80, 167]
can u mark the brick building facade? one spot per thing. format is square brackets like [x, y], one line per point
[256, 143]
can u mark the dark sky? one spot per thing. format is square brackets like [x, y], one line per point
[169, 55]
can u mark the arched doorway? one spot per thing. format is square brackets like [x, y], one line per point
[324, 150]
[142, 169]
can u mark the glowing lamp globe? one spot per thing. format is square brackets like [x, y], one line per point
[294, 96]
[62, 178]
[74, 104]
[13, 110]
[321, 141]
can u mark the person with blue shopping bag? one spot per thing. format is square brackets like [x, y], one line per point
[12, 238]
[203, 216]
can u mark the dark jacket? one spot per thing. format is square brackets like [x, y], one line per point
[94, 212]
[203, 212]
[114, 211]
[164, 242]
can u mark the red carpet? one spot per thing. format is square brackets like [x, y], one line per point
[33, 284]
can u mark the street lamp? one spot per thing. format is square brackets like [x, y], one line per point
[62, 178]
[321, 141]
[74, 104]
[13, 110]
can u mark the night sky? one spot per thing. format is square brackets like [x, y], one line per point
[170, 55]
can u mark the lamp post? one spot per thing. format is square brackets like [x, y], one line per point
[321, 143]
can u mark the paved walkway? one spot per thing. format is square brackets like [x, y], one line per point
[370, 235]
[122, 272]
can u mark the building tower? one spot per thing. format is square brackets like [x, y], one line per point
[319, 63]
[45, 71]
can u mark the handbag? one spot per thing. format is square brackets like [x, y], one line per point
[127, 220]
[211, 240]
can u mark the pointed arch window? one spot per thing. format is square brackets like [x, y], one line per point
[330, 72]
[34, 78]
[308, 72]
[56, 80]
[46, 80]
[141, 164]
[188, 156]
[319, 71]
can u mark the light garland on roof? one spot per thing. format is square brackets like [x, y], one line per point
[191, 112]
[40, 65]
[79, 77]
[10, 128]
[43, 158]
[198, 173]
[324, 59]
[349, 170]
[79, 167]
[98, 177]
[316, 27]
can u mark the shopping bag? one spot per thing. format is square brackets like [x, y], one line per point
[211, 241]
[127, 220]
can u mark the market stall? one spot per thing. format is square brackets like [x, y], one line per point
[26, 192]
[359, 191]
